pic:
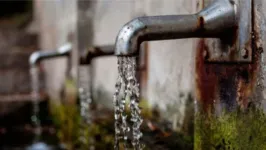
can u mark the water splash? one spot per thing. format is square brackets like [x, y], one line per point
[127, 87]
[34, 72]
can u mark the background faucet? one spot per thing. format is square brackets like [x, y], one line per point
[85, 87]
[87, 57]
[96, 51]
[38, 56]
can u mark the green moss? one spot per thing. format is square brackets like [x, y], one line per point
[66, 119]
[70, 92]
[231, 130]
[70, 128]
[146, 110]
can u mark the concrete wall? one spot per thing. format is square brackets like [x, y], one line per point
[57, 25]
[109, 18]
[171, 64]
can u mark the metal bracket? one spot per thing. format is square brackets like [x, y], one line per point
[235, 47]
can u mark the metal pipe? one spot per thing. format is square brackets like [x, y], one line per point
[38, 56]
[210, 22]
[96, 51]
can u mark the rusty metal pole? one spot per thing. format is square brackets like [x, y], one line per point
[229, 94]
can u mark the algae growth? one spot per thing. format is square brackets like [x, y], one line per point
[237, 130]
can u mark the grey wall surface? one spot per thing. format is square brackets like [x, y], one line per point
[170, 62]
[109, 17]
[261, 13]
[57, 24]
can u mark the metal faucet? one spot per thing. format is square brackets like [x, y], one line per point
[38, 56]
[212, 21]
[96, 51]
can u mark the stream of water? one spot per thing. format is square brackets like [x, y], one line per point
[85, 96]
[34, 72]
[85, 92]
[127, 88]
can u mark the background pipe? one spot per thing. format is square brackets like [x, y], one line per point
[85, 61]
[97, 51]
[38, 56]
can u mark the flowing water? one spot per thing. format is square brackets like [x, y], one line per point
[133, 93]
[85, 101]
[127, 87]
[85, 92]
[34, 72]
[121, 127]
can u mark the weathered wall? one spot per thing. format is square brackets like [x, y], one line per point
[109, 18]
[170, 64]
[16, 45]
[57, 22]
[260, 7]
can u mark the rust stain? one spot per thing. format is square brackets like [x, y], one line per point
[205, 79]
[93, 52]
[142, 68]
[211, 78]
[201, 22]
[232, 40]
[200, 25]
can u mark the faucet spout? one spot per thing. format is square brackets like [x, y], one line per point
[210, 22]
[97, 51]
[38, 56]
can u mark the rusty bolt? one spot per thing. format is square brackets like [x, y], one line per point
[244, 53]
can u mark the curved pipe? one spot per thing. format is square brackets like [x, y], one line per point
[96, 51]
[210, 22]
[38, 56]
